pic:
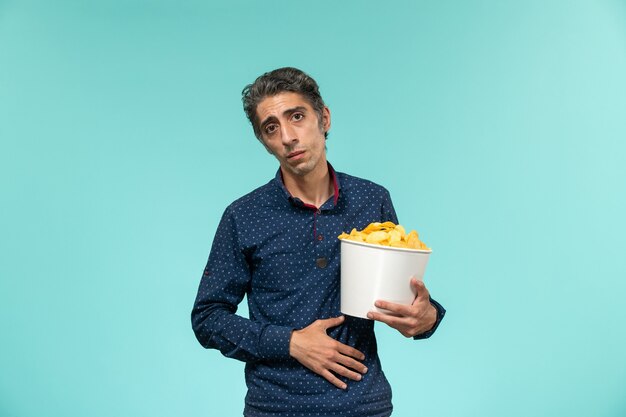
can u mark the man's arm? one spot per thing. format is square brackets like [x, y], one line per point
[421, 319]
[223, 286]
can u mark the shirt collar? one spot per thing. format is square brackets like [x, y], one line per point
[278, 180]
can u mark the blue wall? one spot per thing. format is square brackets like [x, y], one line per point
[498, 127]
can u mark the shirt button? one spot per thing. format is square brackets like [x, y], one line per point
[320, 237]
[321, 262]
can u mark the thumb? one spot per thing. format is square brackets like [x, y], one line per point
[332, 322]
[419, 287]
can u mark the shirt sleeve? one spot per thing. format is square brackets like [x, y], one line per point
[440, 313]
[224, 283]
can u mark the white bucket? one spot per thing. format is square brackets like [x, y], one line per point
[374, 272]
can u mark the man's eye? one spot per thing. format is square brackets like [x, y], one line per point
[269, 129]
[298, 116]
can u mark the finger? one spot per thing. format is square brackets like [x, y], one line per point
[401, 310]
[420, 288]
[333, 379]
[349, 351]
[343, 371]
[393, 321]
[331, 322]
[351, 363]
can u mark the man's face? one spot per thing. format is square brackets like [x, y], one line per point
[291, 131]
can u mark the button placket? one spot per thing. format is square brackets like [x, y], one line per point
[321, 257]
[320, 260]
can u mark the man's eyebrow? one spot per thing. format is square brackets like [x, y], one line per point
[285, 113]
[294, 110]
[267, 120]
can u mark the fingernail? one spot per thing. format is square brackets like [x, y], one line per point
[370, 316]
[365, 370]
[344, 386]
[358, 378]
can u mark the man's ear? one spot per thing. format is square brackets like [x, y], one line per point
[326, 119]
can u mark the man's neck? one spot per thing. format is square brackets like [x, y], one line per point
[313, 188]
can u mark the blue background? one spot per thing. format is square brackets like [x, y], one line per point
[498, 127]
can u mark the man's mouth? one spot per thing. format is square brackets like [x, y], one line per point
[294, 154]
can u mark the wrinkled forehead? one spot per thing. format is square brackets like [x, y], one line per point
[280, 104]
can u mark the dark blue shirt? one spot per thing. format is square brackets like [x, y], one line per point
[284, 255]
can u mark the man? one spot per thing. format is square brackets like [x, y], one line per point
[278, 244]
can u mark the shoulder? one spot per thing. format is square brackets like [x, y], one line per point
[251, 202]
[352, 184]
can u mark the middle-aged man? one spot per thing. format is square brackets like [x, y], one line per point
[278, 245]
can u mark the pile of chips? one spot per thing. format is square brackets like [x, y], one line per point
[386, 234]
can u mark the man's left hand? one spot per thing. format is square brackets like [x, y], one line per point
[410, 320]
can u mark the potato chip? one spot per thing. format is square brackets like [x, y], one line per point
[377, 237]
[358, 236]
[412, 240]
[372, 227]
[394, 236]
[386, 234]
[400, 244]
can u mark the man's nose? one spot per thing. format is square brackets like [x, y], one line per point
[288, 134]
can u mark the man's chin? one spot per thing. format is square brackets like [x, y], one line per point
[300, 169]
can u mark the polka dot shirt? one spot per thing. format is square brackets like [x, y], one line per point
[284, 255]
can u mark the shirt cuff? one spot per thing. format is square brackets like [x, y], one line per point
[440, 313]
[274, 343]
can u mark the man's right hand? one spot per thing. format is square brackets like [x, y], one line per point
[313, 348]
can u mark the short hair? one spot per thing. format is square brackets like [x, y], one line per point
[287, 79]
